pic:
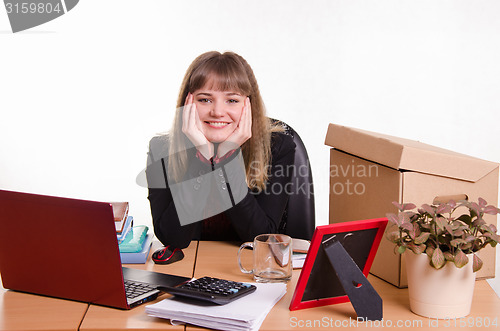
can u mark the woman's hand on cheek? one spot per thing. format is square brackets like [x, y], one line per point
[191, 127]
[242, 133]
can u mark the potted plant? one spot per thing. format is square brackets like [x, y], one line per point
[444, 240]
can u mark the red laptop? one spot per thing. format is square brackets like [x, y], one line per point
[67, 248]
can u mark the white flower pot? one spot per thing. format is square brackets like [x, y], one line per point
[443, 293]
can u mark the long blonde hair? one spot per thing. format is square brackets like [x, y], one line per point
[226, 72]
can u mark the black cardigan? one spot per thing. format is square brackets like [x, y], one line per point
[255, 213]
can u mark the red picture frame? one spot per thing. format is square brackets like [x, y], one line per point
[353, 228]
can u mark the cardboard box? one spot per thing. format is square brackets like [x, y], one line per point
[368, 171]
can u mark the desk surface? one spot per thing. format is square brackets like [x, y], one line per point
[219, 259]
[20, 311]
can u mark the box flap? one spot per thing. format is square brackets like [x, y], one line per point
[405, 154]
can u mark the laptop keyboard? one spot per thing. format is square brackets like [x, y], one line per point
[133, 289]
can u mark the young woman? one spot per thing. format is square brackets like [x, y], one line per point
[222, 171]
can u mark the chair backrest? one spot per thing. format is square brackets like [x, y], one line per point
[299, 218]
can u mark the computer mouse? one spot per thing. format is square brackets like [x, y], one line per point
[167, 255]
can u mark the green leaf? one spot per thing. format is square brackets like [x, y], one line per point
[422, 238]
[429, 251]
[409, 206]
[393, 236]
[492, 238]
[425, 226]
[477, 245]
[415, 231]
[397, 205]
[448, 256]
[401, 249]
[478, 222]
[405, 206]
[456, 242]
[404, 217]
[467, 219]
[428, 209]
[475, 210]
[495, 237]
[417, 249]
[482, 202]
[441, 223]
[487, 228]
[437, 258]
[443, 208]
[392, 218]
[460, 259]
[477, 263]
[448, 229]
[466, 247]
[469, 238]
[435, 230]
[492, 210]
[407, 226]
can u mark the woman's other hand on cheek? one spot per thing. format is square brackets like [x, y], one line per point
[191, 127]
[241, 134]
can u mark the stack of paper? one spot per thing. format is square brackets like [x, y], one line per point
[246, 313]
[298, 260]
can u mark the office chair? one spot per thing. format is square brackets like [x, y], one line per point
[299, 218]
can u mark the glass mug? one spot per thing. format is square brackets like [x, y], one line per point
[272, 258]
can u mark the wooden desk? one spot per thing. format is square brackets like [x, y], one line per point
[103, 318]
[219, 259]
[22, 311]
[19, 311]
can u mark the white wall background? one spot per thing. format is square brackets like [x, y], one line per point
[81, 96]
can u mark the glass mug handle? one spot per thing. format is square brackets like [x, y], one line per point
[248, 244]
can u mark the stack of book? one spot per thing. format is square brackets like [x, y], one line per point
[300, 249]
[134, 242]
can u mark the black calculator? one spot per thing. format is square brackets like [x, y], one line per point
[215, 290]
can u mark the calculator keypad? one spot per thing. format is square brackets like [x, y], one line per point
[215, 286]
[219, 291]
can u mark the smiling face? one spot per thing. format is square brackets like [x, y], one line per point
[219, 112]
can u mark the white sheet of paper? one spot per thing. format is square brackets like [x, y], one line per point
[246, 313]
